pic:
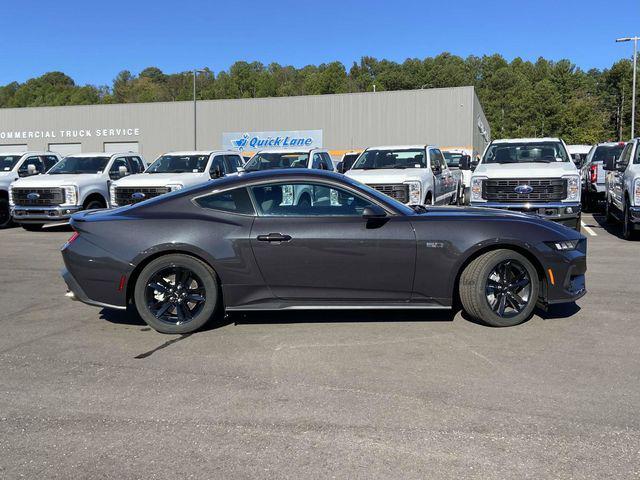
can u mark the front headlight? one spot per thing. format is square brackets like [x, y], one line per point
[11, 204]
[636, 192]
[174, 187]
[415, 192]
[564, 245]
[573, 188]
[70, 194]
[476, 189]
[112, 195]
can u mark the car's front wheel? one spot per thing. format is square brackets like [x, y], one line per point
[176, 294]
[500, 288]
[628, 228]
[5, 214]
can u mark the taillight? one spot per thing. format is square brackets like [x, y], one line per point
[594, 173]
[71, 240]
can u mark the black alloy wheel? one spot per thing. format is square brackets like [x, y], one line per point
[176, 293]
[5, 214]
[508, 288]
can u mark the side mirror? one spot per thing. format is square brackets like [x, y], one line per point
[465, 162]
[373, 211]
[240, 169]
[609, 164]
[122, 171]
[340, 167]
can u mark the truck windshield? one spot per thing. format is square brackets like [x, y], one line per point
[388, 159]
[526, 152]
[453, 159]
[605, 151]
[7, 162]
[271, 160]
[179, 164]
[79, 165]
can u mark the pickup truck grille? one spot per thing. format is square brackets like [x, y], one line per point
[124, 195]
[398, 191]
[543, 190]
[28, 197]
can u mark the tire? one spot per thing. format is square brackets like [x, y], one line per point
[427, 200]
[578, 226]
[609, 218]
[586, 201]
[304, 201]
[32, 227]
[628, 230]
[165, 272]
[6, 220]
[93, 205]
[479, 279]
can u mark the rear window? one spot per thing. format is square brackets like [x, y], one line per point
[605, 151]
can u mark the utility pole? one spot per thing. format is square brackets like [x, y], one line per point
[195, 116]
[633, 96]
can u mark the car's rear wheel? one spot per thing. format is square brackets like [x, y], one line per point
[32, 227]
[628, 229]
[5, 214]
[176, 294]
[500, 288]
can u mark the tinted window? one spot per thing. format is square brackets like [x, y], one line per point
[526, 152]
[80, 165]
[605, 151]
[317, 161]
[390, 159]
[452, 159]
[49, 161]
[271, 160]
[233, 162]
[217, 168]
[437, 159]
[136, 165]
[626, 156]
[35, 161]
[348, 160]
[326, 160]
[7, 162]
[233, 201]
[179, 164]
[298, 199]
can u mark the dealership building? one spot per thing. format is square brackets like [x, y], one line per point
[447, 117]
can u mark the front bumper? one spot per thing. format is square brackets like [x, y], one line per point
[634, 216]
[43, 213]
[565, 276]
[567, 214]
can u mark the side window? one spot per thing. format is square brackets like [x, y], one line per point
[328, 164]
[232, 201]
[136, 165]
[232, 163]
[114, 172]
[49, 161]
[437, 161]
[316, 161]
[35, 161]
[306, 199]
[636, 159]
[626, 156]
[217, 167]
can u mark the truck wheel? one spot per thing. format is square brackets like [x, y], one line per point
[609, 218]
[586, 202]
[6, 220]
[176, 294]
[93, 205]
[32, 227]
[628, 230]
[499, 288]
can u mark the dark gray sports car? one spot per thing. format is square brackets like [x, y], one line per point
[308, 239]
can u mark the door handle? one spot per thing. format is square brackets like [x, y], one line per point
[274, 237]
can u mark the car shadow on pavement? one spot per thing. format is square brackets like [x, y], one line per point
[613, 229]
[562, 310]
[122, 317]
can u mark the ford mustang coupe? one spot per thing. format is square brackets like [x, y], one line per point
[250, 243]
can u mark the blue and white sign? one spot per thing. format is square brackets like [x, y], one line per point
[253, 141]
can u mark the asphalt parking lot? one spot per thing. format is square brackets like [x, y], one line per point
[86, 393]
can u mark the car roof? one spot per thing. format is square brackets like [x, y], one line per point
[611, 144]
[290, 150]
[526, 140]
[401, 147]
[101, 154]
[201, 152]
[28, 152]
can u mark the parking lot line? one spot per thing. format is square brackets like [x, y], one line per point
[589, 230]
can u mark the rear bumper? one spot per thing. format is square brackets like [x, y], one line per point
[77, 293]
[567, 214]
[43, 214]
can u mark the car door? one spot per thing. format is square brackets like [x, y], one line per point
[326, 251]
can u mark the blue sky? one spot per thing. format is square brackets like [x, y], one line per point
[93, 41]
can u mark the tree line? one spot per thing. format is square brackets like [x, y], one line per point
[520, 98]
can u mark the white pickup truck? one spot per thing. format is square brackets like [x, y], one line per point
[532, 175]
[622, 193]
[412, 174]
[78, 182]
[174, 171]
[16, 165]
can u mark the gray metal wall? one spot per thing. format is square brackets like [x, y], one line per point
[445, 117]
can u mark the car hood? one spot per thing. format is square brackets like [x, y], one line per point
[525, 170]
[162, 179]
[46, 180]
[387, 176]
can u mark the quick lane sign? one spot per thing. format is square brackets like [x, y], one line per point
[253, 141]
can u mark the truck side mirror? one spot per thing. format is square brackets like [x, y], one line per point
[609, 163]
[340, 167]
[122, 171]
[31, 169]
[465, 162]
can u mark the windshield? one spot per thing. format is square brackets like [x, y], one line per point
[179, 164]
[526, 152]
[7, 162]
[348, 160]
[453, 159]
[605, 151]
[388, 159]
[268, 161]
[79, 165]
